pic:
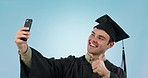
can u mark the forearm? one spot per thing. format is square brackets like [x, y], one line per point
[26, 56]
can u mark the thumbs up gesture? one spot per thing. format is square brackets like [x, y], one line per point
[99, 67]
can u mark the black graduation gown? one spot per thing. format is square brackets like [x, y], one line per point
[70, 67]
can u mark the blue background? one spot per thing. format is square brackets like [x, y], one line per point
[61, 28]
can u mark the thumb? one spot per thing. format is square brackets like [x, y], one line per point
[101, 56]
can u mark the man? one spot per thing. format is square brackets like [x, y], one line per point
[92, 65]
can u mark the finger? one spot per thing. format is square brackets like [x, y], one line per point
[24, 28]
[95, 64]
[98, 68]
[22, 34]
[19, 41]
[94, 67]
[20, 31]
[25, 33]
[95, 70]
[101, 56]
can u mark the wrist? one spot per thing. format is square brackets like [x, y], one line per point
[23, 50]
[106, 75]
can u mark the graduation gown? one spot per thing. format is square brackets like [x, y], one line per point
[70, 67]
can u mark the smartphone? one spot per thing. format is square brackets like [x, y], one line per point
[28, 23]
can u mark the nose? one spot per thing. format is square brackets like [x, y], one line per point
[94, 39]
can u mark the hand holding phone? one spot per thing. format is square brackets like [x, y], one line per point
[28, 23]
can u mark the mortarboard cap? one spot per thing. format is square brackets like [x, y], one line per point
[111, 28]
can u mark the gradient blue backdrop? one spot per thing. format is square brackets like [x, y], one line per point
[61, 28]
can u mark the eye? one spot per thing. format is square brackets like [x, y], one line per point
[92, 34]
[101, 38]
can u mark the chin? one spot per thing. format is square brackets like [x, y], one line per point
[92, 52]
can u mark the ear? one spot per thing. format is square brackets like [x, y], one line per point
[111, 44]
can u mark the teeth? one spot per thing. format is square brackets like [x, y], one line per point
[93, 45]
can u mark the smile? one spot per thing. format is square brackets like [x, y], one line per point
[93, 45]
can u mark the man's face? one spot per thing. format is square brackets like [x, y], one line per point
[98, 42]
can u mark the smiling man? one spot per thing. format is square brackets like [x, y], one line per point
[92, 65]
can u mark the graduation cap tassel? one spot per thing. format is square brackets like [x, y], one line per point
[123, 57]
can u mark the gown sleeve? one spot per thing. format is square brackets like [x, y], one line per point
[24, 70]
[42, 67]
[115, 72]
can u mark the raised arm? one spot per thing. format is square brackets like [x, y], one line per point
[23, 49]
